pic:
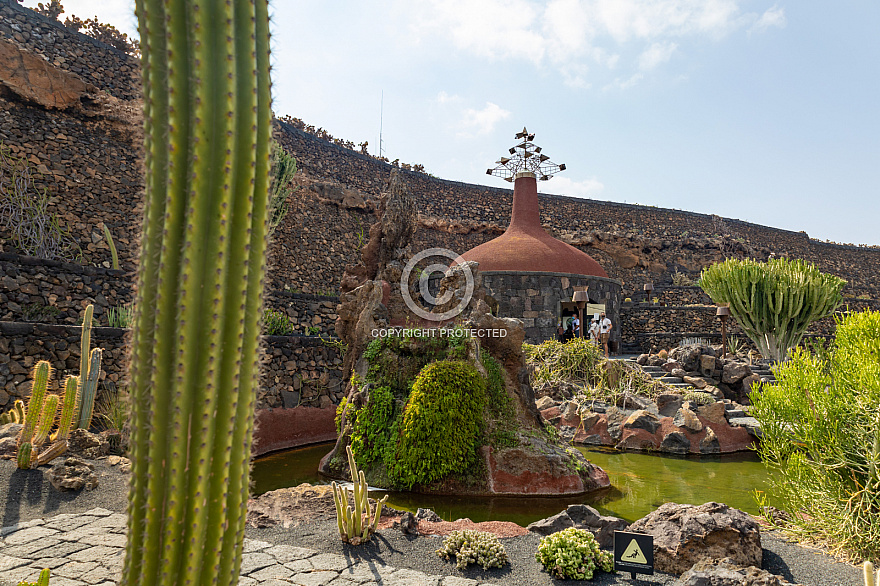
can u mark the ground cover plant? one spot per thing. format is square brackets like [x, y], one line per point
[821, 434]
[773, 302]
[473, 547]
[573, 554]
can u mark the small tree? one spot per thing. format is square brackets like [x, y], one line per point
[773, 302]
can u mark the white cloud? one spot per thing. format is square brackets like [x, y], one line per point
[444, 98]
[565, 186]
[774, 16]
[624, 83]
[478, 122]
[656, 54]
[577, 36]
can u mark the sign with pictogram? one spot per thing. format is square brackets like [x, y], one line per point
[633, 553]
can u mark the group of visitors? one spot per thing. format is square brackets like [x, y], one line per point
[599, 331]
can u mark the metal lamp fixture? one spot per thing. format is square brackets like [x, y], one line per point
[648, 288]
[723, 312]
[580, 299]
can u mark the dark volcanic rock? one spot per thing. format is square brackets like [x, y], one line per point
[687, 534]
[581, 517]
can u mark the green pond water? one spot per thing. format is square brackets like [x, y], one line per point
[641, 482]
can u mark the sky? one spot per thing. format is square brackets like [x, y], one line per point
[764, 111]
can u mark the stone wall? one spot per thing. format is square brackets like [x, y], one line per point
[94, 62]
[56, 292]
[312, 315]
[535, 299]
[297, 370]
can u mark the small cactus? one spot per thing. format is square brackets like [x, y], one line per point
[47, 420]
[41, 373]
[89, 389]
[25, 452]
[871, 579]
[14, 415]
[42, 580]
[357, 526]
[89, 370]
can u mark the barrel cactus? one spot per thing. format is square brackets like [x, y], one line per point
[774, 302]
[194, 363]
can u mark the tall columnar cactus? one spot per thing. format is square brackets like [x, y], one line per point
[194, 364]
[41, 373]
[89, 371]
[89, 389]
[773, 302]
[68, 408]
[355, 526]
[47, 420]
[14, 415]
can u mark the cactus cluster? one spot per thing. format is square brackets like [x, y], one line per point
[76, 406]
[773, 302]
[14, 415]
[356, 526]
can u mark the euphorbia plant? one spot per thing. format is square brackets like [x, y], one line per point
[194, 365]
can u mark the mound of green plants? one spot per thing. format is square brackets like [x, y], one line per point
[422, 410]
[441, 424]
[580, 362]
[821, 434]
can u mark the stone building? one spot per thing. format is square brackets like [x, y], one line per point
[529, 274]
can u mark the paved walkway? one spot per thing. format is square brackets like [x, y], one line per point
[88, 549]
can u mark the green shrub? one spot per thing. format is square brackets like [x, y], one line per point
[573, 554]
[371, 426]
[276, 323]
[821, 434]
[473, 547]
[698, 397]
[441, 424]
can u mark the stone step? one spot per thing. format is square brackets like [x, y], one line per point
[670, 380]
[735, 413]
[681, 385]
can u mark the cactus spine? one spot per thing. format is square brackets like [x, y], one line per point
[89, 371]
[47, 420]
[194, 365]
[773, 302]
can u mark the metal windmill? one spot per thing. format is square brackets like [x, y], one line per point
[525, 157]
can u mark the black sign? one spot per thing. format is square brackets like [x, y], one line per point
[633, 553]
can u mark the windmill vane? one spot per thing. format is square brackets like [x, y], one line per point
[525, 157]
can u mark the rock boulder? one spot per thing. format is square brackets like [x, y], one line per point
[582, 517]
[687, 534]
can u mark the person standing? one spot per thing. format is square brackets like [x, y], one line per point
[604, 331]
[594, 330]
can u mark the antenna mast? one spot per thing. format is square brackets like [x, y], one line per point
[381, 110]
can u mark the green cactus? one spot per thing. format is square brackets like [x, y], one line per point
[773, 302]
[113, 253]
[89, 371]
[195, 340]
[14, 415]
[89, 389]
[47, 421]
[871, 579]
[357, 526]
[42, 580]
[25, 454]
[68, 407]
[41, 373]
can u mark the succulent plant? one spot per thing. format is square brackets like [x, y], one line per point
[14, 415]
[474, 547]
[42, 580]
[573, 554]
[89, 372]
[355, 526]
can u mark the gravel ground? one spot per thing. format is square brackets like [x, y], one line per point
[27, 495]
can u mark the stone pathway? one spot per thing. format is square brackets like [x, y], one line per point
[87, 550]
